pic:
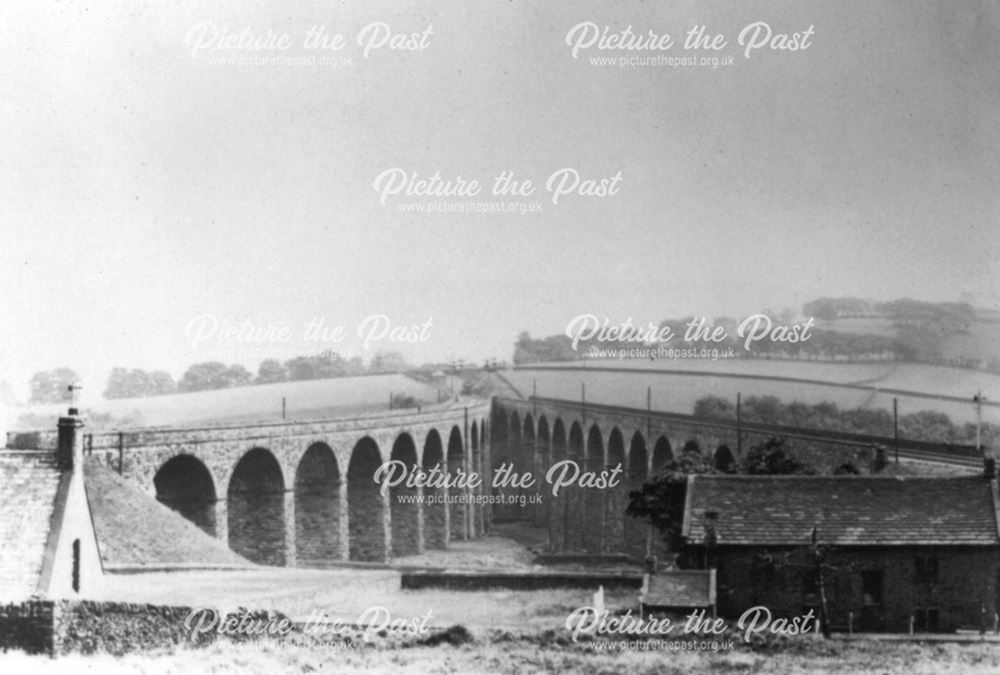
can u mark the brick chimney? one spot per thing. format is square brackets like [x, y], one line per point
[70, 448]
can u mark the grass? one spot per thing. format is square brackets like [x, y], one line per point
[527, 653]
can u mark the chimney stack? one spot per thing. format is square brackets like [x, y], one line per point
[70, 448]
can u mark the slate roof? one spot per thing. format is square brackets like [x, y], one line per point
[29, 481]
[847, 510]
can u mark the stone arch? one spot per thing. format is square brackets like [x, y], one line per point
[615, 497]
[367, 513]
[557, 512]
[636, 529]
[256, 508]
[593, 499]
[513, 448]
[405, 515]
[663, 454]
[476, 468]
[317, 506]
[692, 447]
[185, 484]
[574, 497]
[723, 460]
[515, 426]
[529, 463]
[500, 427]
[456, 467]
[435, 510]
[543, 461]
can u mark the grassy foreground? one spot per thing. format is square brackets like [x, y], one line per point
[540, 653]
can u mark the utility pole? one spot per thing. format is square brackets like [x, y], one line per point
[895, 426]
[739, 425]
[818, 559]
[283, 407]
[978, 401]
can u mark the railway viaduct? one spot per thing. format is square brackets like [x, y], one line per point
[533, 434]
[303, 493]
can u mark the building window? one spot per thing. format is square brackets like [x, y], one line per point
[927, 569]
[76, 565]
[871, 587]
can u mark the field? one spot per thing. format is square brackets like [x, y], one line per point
[725, 378]
[500, 632]
[506, 653]
[304, 400]
[488, 631]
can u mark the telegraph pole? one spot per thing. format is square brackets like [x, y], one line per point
[978, 401]
[739, 425]
[895, 426]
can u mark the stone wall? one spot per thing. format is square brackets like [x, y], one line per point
[66, 626]
[27, 626]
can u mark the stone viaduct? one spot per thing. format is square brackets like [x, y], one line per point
[304, 493]
[534, 434]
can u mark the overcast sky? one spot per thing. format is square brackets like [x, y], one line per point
[143, 184]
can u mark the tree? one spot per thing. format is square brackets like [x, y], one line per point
[552, 348]
[714, 407]
[161, 382]
[124, 383]
[772, 458]
[271, 370]
[51, 386]
[763, 409]
[661, 500]
[388, 362]
[213, 375]
[317, 367]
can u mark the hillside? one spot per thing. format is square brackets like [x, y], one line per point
[261, 403]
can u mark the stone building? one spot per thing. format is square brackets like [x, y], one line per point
[893, 554]
[49, 547]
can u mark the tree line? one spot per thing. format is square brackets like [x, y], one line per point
[52, 386]
[925, 425]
